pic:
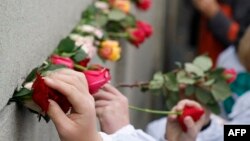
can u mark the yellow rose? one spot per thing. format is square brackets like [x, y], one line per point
[110, 50]
[123, 5]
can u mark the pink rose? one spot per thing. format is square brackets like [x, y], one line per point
[147, 28]
[97, 78]
[230, 75]
[58, 60]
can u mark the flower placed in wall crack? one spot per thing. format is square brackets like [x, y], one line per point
[42, 93]
[147, 28]
[123, 5]
[59, 60]
[136, 36]
[97, 78]
[102, 5]
[110, 50]
[144, 4]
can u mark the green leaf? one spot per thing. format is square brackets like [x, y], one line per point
[214, 107]
[157, 81]
[203, 62]
[221, 90]
[203, 96]
[129, 21]
[101, 20]
[172, 99]
[22, 92]
[66, 45]
[31, 76]
[116, 15]
[79, 56]
[209, 82]
[190, 90]
[171, 82]
[183, 78]
[191, 68]
[64, 54]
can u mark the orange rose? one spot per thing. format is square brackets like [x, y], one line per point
[123, 5]
[110, 50]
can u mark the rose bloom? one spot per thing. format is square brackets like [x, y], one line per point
[97, 77]
[144, 4]
[102, 5]
[42, 93]
[136, 36]
[230, 75]
[123, 5]
[110, 50]
[59, 60]
[147, 28]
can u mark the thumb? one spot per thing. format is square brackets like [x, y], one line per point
[57, 115]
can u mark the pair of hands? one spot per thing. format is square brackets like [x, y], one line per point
[209, 8]
[109, 105]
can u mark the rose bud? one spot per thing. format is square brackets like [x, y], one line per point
[84, 62]
[123, 5]
[97, 78]
[110, 50]
[230, 75]
[136, 36]
[147, 28]
[144, 4]
[58, 60]
[42, 93]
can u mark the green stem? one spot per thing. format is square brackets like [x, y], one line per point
[155, 111]
[79, 67]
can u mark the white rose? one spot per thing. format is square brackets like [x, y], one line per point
[74, 37]
[98, 33]
[28, 85]
[87, 28]
[101, 5]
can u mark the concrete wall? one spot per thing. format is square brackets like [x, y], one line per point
[140, 64]
[29, 31]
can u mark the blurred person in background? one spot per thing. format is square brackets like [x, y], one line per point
[236, 107]
[220, 23]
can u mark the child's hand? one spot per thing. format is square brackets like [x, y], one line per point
[174, 131]
[80, 124]
[111, 109]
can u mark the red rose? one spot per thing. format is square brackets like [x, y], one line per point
[97, 78]
[84, 62]
[230, 75]
[136, 36]
[188, 111]
[144, 4]
[59, 60]
[42, 93]
[147, 28]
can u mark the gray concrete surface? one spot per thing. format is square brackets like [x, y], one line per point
[29, 31]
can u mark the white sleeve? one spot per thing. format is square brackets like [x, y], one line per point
[214, 132]
[240, 115]
[157, 128]
[127, 133]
